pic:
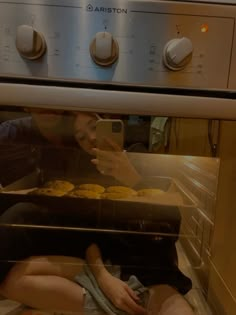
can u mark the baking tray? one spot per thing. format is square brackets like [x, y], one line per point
[159, 215]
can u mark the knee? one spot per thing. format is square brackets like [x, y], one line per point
[8, 286]
[165, 300]
[175, 305]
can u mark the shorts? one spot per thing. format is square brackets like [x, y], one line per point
[91, 307]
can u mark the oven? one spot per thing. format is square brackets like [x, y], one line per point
[166, 70]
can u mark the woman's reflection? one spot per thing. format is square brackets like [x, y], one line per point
[43, 268]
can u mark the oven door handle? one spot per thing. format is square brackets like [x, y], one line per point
[123, 102]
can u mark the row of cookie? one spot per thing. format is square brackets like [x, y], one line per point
[113, 192]
[99, 192]
[62, 188]
[95, 191]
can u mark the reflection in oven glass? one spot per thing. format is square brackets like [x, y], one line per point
[103, 213]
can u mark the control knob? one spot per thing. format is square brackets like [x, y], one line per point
[177, 53]
[30, 43]
[104, 49]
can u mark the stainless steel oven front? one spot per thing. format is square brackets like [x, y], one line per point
[160, 74]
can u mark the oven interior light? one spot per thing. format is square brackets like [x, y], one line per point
[204, 28]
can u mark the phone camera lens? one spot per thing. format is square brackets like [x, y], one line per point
[116, 127]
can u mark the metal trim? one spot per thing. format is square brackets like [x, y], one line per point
[111, 101]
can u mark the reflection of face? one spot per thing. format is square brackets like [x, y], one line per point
[46, 119]
[85, 131]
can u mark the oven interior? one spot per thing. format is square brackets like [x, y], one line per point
[190, 161]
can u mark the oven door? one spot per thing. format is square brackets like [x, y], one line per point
[169, 188]
[118, 125]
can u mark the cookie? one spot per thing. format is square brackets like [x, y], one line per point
[48, 192]
[82, 193]
[115, 195]
[121, 189]
[61, 185]
[92, 187]
[149, 192]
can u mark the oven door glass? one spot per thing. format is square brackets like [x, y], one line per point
[153, 196]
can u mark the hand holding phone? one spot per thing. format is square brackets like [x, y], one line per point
[111, 159]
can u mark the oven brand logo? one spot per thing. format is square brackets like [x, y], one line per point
[90, 8]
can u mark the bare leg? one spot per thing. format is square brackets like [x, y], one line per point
[165, 300]
[46, 283]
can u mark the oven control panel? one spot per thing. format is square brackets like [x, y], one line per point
[136, 42]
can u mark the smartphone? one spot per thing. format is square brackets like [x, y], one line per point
[110, 131]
